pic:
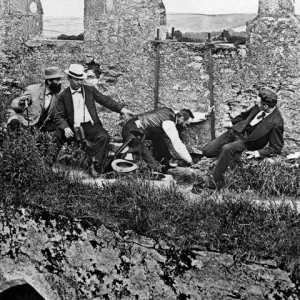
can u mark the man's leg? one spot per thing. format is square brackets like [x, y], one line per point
[98, 140]
[228, 152]
[127, 132]
[58, 137]
[226, 146]
[213, 148]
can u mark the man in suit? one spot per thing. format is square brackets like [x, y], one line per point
[35, 107]
[162, 126]
[258, 130]
[76, 117]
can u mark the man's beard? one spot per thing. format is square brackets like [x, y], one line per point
[55, 88]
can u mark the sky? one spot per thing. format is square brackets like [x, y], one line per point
[74, 8]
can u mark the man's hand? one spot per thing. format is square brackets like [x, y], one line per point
[251, 154]
[68, 132]
[127, 113]
[228, 125]
[209, 111]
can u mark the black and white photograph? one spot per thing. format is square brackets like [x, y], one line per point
[149, 149]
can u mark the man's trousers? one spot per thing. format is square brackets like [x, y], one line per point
[97, 141]
[227, 146]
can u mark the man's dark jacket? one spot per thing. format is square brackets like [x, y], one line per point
[267, 137]
[64, 116]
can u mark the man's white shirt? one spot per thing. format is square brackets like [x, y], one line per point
[256, 120]
[48, 98]
[171, 131]
[81, 113]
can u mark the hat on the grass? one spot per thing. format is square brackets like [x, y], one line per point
[53, 72]
[123, 166]
[76, 71]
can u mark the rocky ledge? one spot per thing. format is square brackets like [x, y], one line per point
[65, 259]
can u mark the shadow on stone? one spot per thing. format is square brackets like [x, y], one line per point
[21, 292]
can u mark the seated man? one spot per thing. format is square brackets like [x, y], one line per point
[36, 106]
[76, 117]
[258, 130]
[161, 127]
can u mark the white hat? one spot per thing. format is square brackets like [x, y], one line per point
[123, 166]
[76, 71]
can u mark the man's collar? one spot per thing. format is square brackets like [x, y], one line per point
[47, 91]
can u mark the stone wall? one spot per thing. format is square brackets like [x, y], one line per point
[120, 51]
[63, 259]
[276, 7]
[117, 49]
[24, 18]
[183, 83]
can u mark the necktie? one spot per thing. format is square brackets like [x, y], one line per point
[261, 116]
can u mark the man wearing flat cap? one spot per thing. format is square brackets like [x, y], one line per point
[257, 131]
[77, 118]
[35, 107]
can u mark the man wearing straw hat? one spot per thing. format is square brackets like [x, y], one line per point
[77, 118]
[37, 104]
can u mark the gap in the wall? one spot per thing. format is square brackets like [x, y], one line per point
[63, 19]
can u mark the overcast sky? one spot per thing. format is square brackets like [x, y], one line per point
[75, 7]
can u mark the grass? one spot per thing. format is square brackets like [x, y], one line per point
[277, 176]
[227, 222]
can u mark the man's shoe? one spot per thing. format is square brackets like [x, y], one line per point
[93, 172]
[173, 163]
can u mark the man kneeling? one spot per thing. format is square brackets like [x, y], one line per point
[162, 127]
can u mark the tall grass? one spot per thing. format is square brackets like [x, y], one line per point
[276, 177]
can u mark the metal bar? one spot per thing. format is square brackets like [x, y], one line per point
[157, 67]
[157, 34]
[211, 95]
[172, 35]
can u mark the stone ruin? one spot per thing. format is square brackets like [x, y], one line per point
[119, 50]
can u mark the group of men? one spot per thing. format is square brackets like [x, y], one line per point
[72, 114]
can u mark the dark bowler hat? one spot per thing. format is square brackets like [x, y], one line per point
[52, 72]
[267, 95]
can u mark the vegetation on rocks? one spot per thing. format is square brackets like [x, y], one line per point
[226, 222]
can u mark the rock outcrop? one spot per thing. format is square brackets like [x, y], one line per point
[63, 259]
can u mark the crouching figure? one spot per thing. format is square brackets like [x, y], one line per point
[162, 127]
